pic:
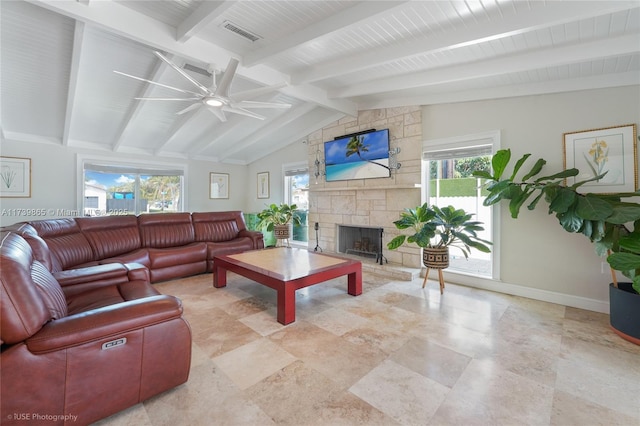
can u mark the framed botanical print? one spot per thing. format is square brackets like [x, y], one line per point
[263, 185]
[218, 185]
[15, 177]
[609, 152]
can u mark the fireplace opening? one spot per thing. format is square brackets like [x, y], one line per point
[361, 241]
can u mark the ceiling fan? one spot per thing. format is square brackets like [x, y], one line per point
[216, 98]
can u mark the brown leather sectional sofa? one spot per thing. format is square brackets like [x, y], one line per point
[83, 332]
[170, 245]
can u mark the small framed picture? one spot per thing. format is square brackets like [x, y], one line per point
[609, 152]
[15, 177]
[263, 185]
[218, 185]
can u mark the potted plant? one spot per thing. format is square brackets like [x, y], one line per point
[611, 224]
[435, 230]
[277, 218]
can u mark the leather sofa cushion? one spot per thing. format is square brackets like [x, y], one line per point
[50, 290]
[234, 246]
[165, 229]
[110, 236]
[22, 310]
[109, 295]
[94, 299]
[67, 244]
[39, 248]
[172, 256]
[221, 230]
[138, 256]
[218, 226]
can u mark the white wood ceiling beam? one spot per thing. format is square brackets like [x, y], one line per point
[512, 23]
[629, 78]
[563, 55]
[30, 137]
[78, 39]
[200, 18]
[121, 20]
[354, 15]
[268, 129]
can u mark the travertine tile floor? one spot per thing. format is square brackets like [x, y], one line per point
[397, 354]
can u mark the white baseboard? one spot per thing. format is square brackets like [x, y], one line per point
[531, 293]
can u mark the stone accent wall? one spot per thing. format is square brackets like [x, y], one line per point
[369, 202]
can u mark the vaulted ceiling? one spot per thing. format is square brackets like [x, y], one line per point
[329, 59]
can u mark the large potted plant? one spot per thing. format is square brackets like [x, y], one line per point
[436, 229]
[278, 218]
[611, 224]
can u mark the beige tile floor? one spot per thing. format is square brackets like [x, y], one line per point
[397, 354]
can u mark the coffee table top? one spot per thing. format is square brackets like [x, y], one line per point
[286, 263]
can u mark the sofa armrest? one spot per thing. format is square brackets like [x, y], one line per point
[137, 272]
[256, 236]
[104, 323]
[75, 281]
[104, 272]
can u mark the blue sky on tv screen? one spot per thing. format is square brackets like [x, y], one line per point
[335, 152]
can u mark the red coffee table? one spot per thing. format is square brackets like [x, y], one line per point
[286, 270]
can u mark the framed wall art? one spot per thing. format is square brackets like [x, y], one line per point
[218, 185]
[611, 151]
[263, 185]
[15, 177]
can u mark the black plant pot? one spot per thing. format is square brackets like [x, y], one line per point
[624, 312]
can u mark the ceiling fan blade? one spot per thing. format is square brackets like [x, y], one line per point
[218, 113]
[243, 111]
[158, 84]
[195, 82]
[255, 104]
[168, 99]
[189, 108]
[227, 77]
[254, 93]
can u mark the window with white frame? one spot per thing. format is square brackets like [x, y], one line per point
[447, 180]
[111, 189]
[296, 191]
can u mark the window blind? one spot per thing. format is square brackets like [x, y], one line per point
[295, 172]
[461, 152]
[133, 170]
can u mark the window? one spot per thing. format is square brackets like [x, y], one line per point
[448, 180]
[296, 191]
[91, 202]
[112, 189]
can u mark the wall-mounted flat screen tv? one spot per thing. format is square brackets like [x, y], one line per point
[359, 156]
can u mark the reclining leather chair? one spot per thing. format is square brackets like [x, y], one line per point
[88, 345]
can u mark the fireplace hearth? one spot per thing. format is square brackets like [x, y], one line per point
[361, 241]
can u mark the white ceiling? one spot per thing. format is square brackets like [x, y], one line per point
[337, 57]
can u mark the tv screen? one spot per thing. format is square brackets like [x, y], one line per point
[358, 156]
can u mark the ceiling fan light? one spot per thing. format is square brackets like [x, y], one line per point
[213, 102]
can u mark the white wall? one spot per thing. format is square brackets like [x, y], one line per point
[272, 163]
[54, 181]
[536, 252]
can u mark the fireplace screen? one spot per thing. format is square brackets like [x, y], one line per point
[361, 241]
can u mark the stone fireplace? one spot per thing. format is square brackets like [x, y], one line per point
[364, 241]
[368, 203]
